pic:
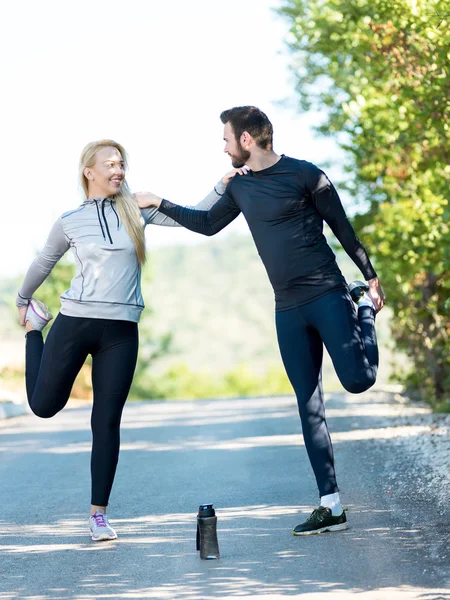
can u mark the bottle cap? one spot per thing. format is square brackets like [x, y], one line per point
[206, 510]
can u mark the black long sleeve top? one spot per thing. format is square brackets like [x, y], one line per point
[285, 207]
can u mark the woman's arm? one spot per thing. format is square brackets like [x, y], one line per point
[152, 215]
[327, 202]
[57, 244]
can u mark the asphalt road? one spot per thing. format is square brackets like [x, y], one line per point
[247, 457]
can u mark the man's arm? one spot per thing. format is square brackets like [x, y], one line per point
[152, 215]
[207, 222]
[327, 202]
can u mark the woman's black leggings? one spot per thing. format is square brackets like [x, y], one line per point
[350, 339]
[51, 370]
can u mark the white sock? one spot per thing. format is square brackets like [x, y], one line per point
[333, 502]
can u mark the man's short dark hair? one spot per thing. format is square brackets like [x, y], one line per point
[252, 120]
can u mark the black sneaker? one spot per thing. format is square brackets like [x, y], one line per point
[321, 520]
[357, 290]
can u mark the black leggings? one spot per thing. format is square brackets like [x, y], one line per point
[51, 370]
[351, 342]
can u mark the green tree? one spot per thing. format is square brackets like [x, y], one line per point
[379, 72]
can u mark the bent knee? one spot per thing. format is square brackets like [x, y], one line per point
[357, 386]
[44, 412]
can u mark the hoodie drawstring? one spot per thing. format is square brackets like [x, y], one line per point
[106, 222]
[117, 216]
[100, 221]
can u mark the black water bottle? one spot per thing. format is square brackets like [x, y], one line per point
[207, 532]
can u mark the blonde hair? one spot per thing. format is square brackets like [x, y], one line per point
[126, 204]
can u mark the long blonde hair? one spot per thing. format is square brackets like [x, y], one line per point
[126, 204]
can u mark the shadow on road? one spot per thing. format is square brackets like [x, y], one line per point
[245, 456]
[156, 545]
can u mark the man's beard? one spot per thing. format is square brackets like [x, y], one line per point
[239, 160]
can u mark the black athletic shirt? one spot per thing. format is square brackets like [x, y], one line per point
[285, 206]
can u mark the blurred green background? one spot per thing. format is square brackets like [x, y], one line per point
[207, 331]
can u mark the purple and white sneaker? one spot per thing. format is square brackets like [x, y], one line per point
[100, 528]
[38, 314]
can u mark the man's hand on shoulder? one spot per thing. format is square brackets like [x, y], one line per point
[147, 199]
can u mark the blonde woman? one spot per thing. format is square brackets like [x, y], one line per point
[99, 312]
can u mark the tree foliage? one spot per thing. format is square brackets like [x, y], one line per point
[379, 71]
[179, 381]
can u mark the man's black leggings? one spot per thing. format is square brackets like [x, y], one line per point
[351, 342]
[51, 370]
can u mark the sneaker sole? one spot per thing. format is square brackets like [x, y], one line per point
[340, 527]
[103, 538]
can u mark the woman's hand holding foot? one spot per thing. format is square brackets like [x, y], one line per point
[22, 315]
[23, 319]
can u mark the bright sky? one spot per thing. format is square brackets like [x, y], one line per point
[153, 76]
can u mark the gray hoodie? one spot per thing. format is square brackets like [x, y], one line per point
[107, 282]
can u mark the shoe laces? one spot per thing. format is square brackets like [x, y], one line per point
[317, 515]
[100, 520]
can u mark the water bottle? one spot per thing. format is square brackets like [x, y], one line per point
[207, 532]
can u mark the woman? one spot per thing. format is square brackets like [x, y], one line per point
[99, 312]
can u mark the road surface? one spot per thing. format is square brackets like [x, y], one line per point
[246, 456]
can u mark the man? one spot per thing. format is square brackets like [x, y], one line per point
[285, 202]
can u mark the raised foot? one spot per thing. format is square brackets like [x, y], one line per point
[38, 316]
[357, 290]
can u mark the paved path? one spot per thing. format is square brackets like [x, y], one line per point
[247, 457]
